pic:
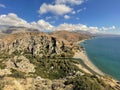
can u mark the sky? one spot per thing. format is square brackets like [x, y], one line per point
[88, 15]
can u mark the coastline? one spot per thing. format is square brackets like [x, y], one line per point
[83, 56]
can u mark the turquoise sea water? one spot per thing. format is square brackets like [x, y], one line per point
[104, 52]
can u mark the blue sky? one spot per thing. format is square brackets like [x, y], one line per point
[100, 14]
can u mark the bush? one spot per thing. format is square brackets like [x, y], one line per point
[2, 65]
[88, 83]
[54, 68]
[17, 74]
[82, 84]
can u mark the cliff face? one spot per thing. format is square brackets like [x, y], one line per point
[36, 44]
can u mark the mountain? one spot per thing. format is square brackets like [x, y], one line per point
[41, 61]
[70, 36]
[14, 29]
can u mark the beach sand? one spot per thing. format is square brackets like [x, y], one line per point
[85, 59]
[82, 55]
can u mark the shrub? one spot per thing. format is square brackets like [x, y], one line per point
[17, 74]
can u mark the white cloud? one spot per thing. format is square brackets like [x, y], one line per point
[66, 17]
[108, 28]
[2, 5]
[72, 2]
[58, 9]
[42, 25]
[48, 17]
[93, 29]
[79, 10]
[73, 27]
[73, 12]
[12, 20]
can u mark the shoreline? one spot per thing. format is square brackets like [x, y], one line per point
[83, 56]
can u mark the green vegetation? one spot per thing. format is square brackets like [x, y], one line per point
[88, 83]
[2, 65]
[17, 53]
[18, 60]
[17, 74]
[4, 56]
[54, 68]
[1, 86]
[81, 38]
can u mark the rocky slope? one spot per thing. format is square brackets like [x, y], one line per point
[36, 44]
[40, 61]
[70, 36]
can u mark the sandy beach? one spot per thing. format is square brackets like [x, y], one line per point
[82, 55]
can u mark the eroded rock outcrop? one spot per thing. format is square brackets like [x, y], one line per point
[37, 44]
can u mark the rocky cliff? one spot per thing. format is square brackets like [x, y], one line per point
[36, 44]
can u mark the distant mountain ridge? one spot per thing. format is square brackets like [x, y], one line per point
[14, 29]
[70, 36]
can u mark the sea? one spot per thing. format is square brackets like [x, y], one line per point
[104, 52]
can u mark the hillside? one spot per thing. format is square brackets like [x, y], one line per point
[70, 36]
[36, 44]
[39, 61]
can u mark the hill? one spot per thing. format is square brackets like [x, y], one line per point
[70, 36]
[38, 61]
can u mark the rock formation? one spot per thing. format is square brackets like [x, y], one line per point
[37, 44]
